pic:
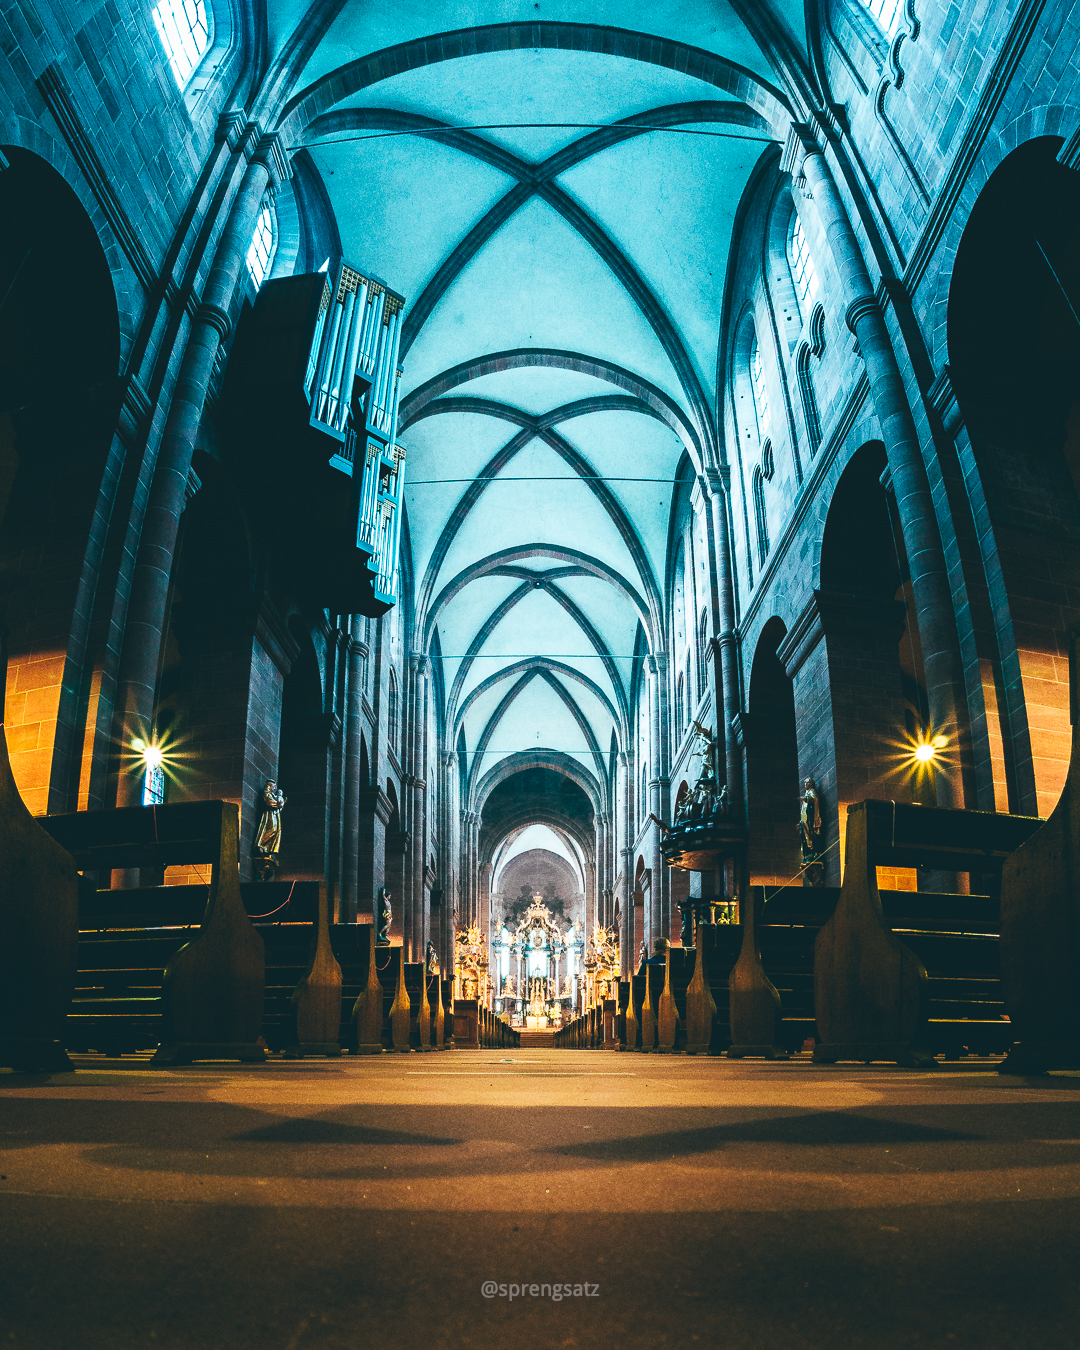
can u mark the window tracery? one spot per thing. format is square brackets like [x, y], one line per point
[809, 400]
[757, 381]
[393, 711]
[802, 264]
[184, 33]
[262, 247]
[887, 12]
[760, 520]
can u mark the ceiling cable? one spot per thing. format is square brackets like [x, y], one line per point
[537, 478]
[536, 656]
[538, 126]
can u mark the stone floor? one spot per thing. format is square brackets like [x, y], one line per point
[364, 1204]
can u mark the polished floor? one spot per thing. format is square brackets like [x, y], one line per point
[366, 1203]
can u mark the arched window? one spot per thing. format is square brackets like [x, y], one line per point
[760, 520]
[393, 712]
[680, 701]
[689, 691]
[757, 381]
[184, 33]
[644, 793]
[809, 401]
[802, 265]
[702, 652]
[262, 247]
[887, 12]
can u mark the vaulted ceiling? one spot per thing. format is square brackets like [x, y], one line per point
[552, 186]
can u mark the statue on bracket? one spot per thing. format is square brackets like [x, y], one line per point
[384, 913]
[268, 835]
[811, 835]
[432, 958]
[706, 797]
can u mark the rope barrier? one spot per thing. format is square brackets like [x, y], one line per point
[801, 870]
[280, 907]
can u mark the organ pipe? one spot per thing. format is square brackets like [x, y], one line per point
[351, 384]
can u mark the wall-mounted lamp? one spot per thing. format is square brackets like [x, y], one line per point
[926, 752]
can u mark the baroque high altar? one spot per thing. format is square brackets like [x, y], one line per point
[538, 969]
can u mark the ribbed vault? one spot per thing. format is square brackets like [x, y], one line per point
[555, 199]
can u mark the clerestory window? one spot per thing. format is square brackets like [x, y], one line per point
[802, 265]
[887, 12]
[184, 32]
[262, 246]
[761, 397]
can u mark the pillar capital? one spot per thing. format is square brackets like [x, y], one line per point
[216, 318]
[859, 309]
[718, 480]
[270, 151]
[800, 143]
[230, 128]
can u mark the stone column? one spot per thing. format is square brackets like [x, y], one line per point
[446, 857]
[658, 792]
[626, 886]
[209, 329]
[350, 843]
[915, 505]
[374, 813]
[418, 783]
[725, 663]
[470, 860]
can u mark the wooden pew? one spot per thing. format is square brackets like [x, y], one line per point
[872, 991]
[39, 888]
[753, 1000]
[212, 988]
[315, 1002]
[791, 918]
[127, 937]
[707, 1021]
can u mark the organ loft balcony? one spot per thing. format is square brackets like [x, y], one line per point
[311, 409]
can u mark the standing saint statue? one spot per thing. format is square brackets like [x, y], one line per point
[384, 913]
[268, 835]
[810, 834]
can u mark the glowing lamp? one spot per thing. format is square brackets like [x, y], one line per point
[925, 752]
[152, 756]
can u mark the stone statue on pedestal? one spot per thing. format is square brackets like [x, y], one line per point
[384, 913]
[811, 835]
[268, 835]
